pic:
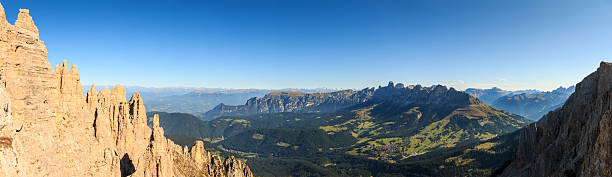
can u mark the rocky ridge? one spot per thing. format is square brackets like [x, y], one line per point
[292, 101]
[574, 140]
[48, 127]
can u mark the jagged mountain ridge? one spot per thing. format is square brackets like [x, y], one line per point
[48, 127]
[292, 101]
[534, 105]
[573, 140]
[531, 104]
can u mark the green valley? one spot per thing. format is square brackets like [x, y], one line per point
[391, 131]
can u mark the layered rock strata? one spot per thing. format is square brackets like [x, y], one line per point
[48, 127]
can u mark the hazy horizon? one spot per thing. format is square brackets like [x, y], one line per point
[271, 44]
[99, 87]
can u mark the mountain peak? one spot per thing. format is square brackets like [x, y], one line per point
[25, 21]
[3, 20]
[390, 84]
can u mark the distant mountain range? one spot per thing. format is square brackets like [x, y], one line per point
[209, 103]
[389, 124]
[197, 101]
[532, 104]
[293, 101]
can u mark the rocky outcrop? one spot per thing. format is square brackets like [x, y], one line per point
[292, 101]
[574, 140]
[207, 164]
[48, 127]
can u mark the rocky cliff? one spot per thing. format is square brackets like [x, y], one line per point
[48, 127]
[574, 140]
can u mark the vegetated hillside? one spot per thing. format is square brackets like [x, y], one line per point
[393, 125]
[480, 158]
[287, 142]
[187, 124]
[386, 135]
[535, 105]
[181, 124]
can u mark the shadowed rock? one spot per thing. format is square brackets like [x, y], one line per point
[574, 140]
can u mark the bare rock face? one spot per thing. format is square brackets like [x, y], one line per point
[48, 127]
[202, 163]
[574, 140]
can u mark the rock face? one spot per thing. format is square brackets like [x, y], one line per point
[292, 101]
[575, 140]
[48, 127]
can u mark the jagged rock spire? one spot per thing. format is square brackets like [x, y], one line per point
[25, 21]
[155, 121]
[119, 93]
[2, 15]
[93, 89]
[74, 70]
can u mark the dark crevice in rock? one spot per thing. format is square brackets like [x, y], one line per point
[127, 166]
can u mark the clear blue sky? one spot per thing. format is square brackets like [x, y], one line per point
[512, 44]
